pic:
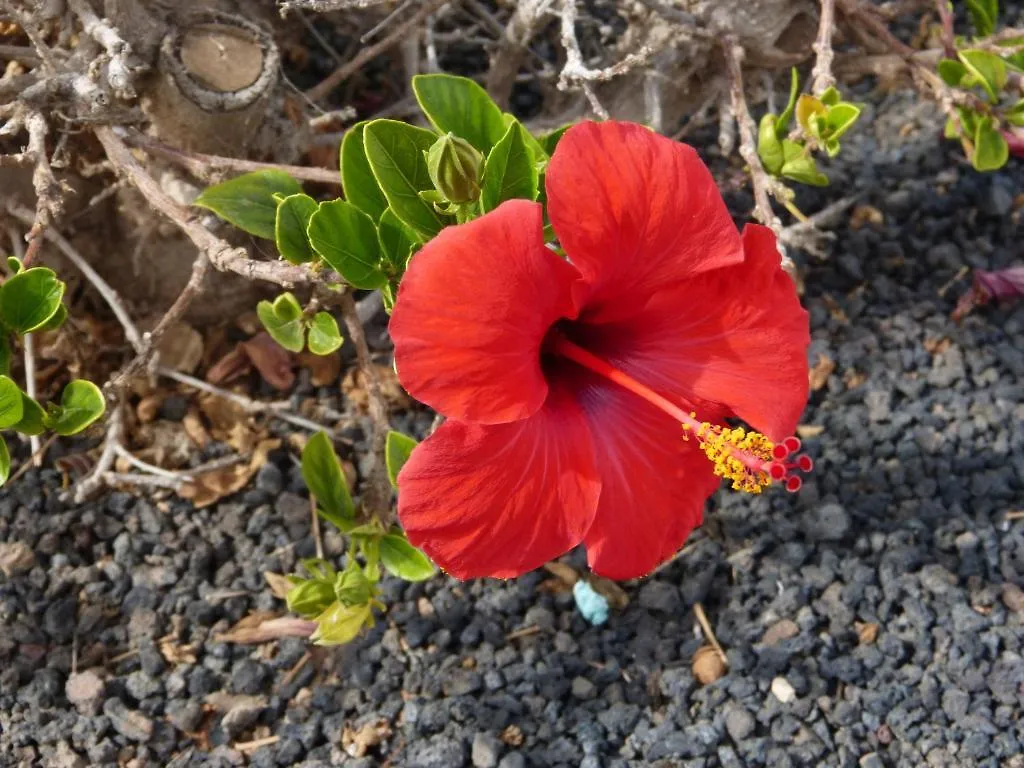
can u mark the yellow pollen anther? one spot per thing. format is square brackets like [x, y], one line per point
[727, 448]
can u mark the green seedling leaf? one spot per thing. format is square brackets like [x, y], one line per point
[952, 72]
[346, 238]
[840, 119]
[831, 96]
[988, 69]
[403, 560]
[1015, 114]
[510, 171]
[249, 201]
[5, 353]
[397, 242]
[351, 587]
[56, 320]
[341, 624]
[395, 152]
[5, 462]
[769, 145]
[11, 406]
[357, 179]
[800, 166]
[283, 321]
[984, 14]
[322, 472]
[398, 449]
[990, 148]
[81, 404]
[310, 598]
[33, 417]
[324, 336]
[29, 299]
[808, 108]
[293, 215]
[460, 106]
[782, 124]
[14, 264]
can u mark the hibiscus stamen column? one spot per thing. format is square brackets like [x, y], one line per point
[747, 458]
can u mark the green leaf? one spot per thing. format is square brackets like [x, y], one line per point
[952, 72]
[57, 320]
[357, 179]
[324, 336]
[1015, 114]
[325, 480]
[951, 130]
[5, 462]
[11, 406]
[396, 154]
[81, 404]
[5, 353]
[509, 172]
[782, 124]
[346, 238]
[403, 559]
[248, 201]
[397, 451]
[968, 120]
[831, 96]
[769, 146]
[33, 417]
[290, 228]
[807, 109]
[460, 106]
[536, 149]
[984, 14]
[29, 299]
[396, 241]
[840, 119]
[550, 139]
[989, 69]
[341, 624]
[283, 321]
[800, 166]
[310, 598]
[14, 264]
[351, 587]
[990, 148]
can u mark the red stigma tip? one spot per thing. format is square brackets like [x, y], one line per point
[805, 463]
[776, 471]
[792, 444]
[793, 484]
[780, 452]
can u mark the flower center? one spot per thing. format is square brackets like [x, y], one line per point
[747, 458]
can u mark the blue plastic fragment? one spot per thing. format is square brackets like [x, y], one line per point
[592, 605]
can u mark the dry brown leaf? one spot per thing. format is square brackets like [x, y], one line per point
[149, 407]
[174, 653]
[324, 370]
[565, 573]
[193, 424]
[181, 348]
[279, 585]
[866, 214]
[708, 665]
[230, 367]
[809, 430]
[937, 346]
[358, 742]
[612, 592]
[779, 631]
[513, 736]
[164, 443]
[210, 487]
[263, 627]
[274, 362]
[353, 389]
[819, 373]
[866, 633]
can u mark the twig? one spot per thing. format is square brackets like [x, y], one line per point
[151, 481]
[119, 70]
[341, 74]
[35, 459]
[97, 477]
[377, 497]
[821, 75]
[221, 255]
[326, 6]
[252, 746]
[151, 469]
[18, 246]
[948, 36]
[204, 166]
[709, 633]
[47, 189]
[513, 47]
[808, 234]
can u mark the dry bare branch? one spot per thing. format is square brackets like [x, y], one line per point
[821, 75]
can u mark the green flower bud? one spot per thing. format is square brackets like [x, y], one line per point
[455, 167]
[310, 598]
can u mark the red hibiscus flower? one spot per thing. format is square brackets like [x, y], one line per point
[586, 396]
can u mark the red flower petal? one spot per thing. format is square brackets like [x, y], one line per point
[653, 484]
[736, 337]
[501, 500]
[472, 311]
[635, 210]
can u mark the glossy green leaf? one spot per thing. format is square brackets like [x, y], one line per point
[396, 154]
[396, 241]
[782, 124]
[29, 299]
[800, 166]
[249, 201]
[5, 461]
[952, 72]
[769, 145]
[341, 624]
[33, 417]
[550, 139]
[1015, 114]
[14, 264]
[290, 228]
[830, 96]
[57, 320]
[322, 472]
[989, 69]
[346, 238]
[397, 451]
[357, 179]
[984, 14]
[310, 598]
[534, 147]
[990, 148]
[283, 321]
[461, 106]
[324, 336]
[351, 587]
[509, 172]
[5, 353]
[403, 560]
[840, 119]
[11, 405]
[81, 403]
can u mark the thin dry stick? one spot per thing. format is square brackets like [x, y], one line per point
[341, 74]
[34, 460]
[204, 166]
[512, 48]
[97, 477]
[18, 246]
[48, 202]
[709, 633]
[821, 75]
[378, 494]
